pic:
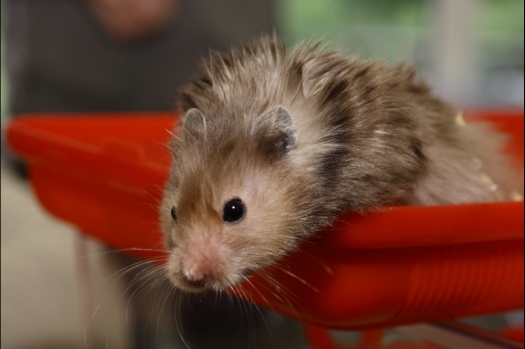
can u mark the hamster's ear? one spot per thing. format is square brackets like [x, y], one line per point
[274, 132]
[193, 122]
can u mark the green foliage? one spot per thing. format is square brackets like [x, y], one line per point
[356, 26]
[390, 29]
[502, 16]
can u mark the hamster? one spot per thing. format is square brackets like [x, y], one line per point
[274, 144]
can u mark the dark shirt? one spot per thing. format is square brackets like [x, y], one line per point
[59, 60]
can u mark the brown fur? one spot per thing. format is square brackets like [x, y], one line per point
[362, 135]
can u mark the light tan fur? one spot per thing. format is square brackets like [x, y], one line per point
[362, 135]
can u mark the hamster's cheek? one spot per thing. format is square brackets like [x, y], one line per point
[174, 266]
[170, 240]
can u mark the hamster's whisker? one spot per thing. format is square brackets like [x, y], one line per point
[282, 293]
[244, 295]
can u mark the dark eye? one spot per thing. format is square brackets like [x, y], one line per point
[174, 213]
[233, 211]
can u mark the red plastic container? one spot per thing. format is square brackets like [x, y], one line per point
[104, 173]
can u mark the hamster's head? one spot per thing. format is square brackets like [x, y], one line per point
[229, 206]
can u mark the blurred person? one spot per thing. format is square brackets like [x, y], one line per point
[115, 55]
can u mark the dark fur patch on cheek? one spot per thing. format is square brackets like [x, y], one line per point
[330, 169]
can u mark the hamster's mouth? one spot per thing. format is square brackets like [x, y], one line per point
[210, 284]
[193, 286]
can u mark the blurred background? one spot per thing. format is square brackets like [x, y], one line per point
[125, 55]
[471, 51]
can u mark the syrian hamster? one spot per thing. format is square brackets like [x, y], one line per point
[274, 144]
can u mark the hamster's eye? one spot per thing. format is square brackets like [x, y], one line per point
[233, 211]
[174, 213]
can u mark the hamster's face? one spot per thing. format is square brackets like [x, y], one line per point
[226, 209]
[219, 231]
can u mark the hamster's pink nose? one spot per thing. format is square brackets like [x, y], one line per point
[196, 278]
